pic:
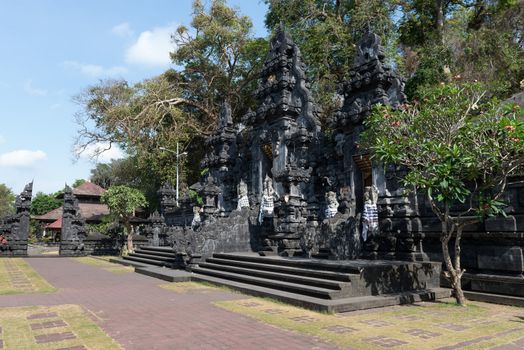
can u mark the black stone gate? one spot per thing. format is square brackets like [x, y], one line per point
[14, 229]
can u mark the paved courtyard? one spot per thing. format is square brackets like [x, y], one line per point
[138, 314]
[94, 304]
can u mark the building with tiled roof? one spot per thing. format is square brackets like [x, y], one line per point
[88, 195]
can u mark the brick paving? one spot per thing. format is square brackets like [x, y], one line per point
[134, 311]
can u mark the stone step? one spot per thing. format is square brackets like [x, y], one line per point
[314, 264]
[327, 305]
[154, 252]
[146, 261]
[164, 273]
[153, 257]
[317, 292]
[331, 275]
[127, 262]
[158, 249]
[286, 277]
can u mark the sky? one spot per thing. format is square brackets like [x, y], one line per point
[51, 50]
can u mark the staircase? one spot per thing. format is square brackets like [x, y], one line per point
[149, 255]
[322, 285]
[278, 274]
[317, 284]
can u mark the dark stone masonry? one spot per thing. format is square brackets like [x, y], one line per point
[280, 185]
[14, 229]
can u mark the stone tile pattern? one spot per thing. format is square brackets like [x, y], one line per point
[303, 319]
[385, 342]
[376, 323]
[17, 277]
[42, 315]
[481, 339]
[421, 333]
[274, 311]
[48, 324]
[453, 327]
[54, 337]
[340, 329]
[130, 306]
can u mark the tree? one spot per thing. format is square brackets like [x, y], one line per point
[43, 203]
[476, 39]
[122, 202]
[78, 182]
[7, 201]
[128, 172]
[219, 60]
[458, 147]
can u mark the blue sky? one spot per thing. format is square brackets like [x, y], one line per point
[50, 50]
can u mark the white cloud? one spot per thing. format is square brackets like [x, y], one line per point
[152, 47]
[91, 151]
[122, 30]
[21, 158]
[95, 70]
[32, 90]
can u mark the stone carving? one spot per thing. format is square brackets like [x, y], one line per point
[73, 226]
[280, 165]
[243, 200]
[332, 204]
[14, 229]
[197, 220]
[156, 234]
[167, 196]
[370, 213]
[267, 205]
[371, 81]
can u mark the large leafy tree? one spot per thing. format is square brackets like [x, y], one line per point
[475, 39]
[458, 147]
[7, 201]
[218, 59]
[122, 202]
[128, 172]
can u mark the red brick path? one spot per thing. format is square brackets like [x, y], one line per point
[138, 314]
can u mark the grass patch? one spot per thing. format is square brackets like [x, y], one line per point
[18, 277]
[17, 332]
[424, 326]
[104, 263]
[190, 287]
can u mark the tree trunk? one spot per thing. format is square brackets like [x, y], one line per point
[459, 294]
[129, 230]
[454, 272]
[439, 18]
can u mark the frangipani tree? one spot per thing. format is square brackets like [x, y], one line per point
[122, 202]
[457, 146]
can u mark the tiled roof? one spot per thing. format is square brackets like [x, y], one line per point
[89, 211]
[55, 224]
[88, 189]
[52, 215]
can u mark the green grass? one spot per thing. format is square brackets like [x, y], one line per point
[104, 263]
[17, 333]
[21, 269]
[431, 317]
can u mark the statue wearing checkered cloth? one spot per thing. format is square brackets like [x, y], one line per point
[370, 213]
[242, 201]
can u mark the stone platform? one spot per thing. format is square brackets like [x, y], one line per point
[322, 285]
